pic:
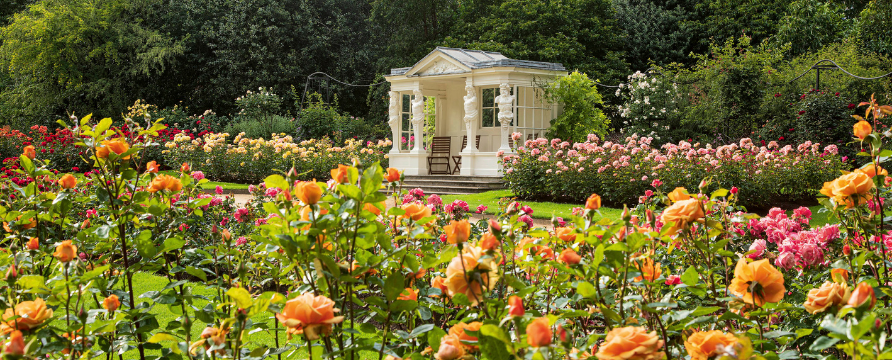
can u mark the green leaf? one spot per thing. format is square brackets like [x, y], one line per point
[159, 337]
[241, 296]
[690, 276]
[372, 178]
[173, 243]
[276, 181]
[145, 246]
[803, 332]
[196, 273]
[586, 289]
[599, 256]
[433, 338]
[822, 343]
[394, 285]
[420, 329]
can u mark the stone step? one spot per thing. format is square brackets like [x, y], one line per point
[453, 185]
[438, 183]
[455, 178]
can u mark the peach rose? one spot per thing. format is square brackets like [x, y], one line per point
[829, 294]
[152, 167]
[515, 306]
[679, 194]
[341, 174]
[32, 314]
[565, 233]
[415, 211]
[545, 253]
[488, 241]
[450, 348]
[111, 303]
[459, 282]
[185, 167]
[648, 268]
[871, 170]
[569, 256]
[839, 275]
[408, 294]
[29, 152]
[165, 182]
[309, 315]
[67, 181]
[862, 295]
[631, 342]
[210, 336]
[439, 282]
[66, 251]
[118, 146]
[770, 282]
[457, 231]
[593, 202]
[458, 330]
[701, 345]
[851, 189]
[33, 243]
[16, 345]
[539, 332]
[393, 175]
[372, 208]
[682, 213]
[862, 129]
[309, 192]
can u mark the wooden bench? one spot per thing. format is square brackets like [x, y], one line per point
[457, 158]
[441, 148]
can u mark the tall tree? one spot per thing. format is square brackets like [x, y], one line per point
[660, 32]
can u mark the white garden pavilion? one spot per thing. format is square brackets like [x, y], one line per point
[473, 93]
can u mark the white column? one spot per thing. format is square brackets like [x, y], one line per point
[471, 115]
[506, 114]
[394, 120]
[418, 120]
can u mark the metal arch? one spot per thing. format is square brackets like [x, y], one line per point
[314, 76]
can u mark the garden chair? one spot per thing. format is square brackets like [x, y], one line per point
[441, 147]
[457, 158]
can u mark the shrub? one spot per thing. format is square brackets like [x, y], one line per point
[652, 106]
[620, 172]
[253, 128]
[581, 107]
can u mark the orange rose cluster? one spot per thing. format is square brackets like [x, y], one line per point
[851, 189]
[309, 315]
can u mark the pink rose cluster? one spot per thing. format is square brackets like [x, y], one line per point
[796, 247]
[457, 209]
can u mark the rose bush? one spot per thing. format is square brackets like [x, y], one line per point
[622, 172]
[308, 270]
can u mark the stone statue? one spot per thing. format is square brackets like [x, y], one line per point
[470, 105]
[418, 108]
[394, 108]
[505, 101]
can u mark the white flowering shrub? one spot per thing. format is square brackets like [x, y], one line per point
[652, 106]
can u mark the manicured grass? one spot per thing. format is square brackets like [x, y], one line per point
[224, 185]
[541, 210]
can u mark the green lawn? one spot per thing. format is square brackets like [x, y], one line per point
[541, 210]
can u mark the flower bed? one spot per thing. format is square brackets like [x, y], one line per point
[251, 160]
[622, 172]
[327, 266]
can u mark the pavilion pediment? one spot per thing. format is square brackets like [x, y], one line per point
[438, 63]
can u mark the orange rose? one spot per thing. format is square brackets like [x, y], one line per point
[459, 282]
[839, 275]
[648, 268]
[457, 231]
[679, 194]
[450, 348]
[682, 213]
[515, 306]
[341, 174]
[415, 211]
[631, 342]
[545, 253]
[18, 221]
[458, 330]
[185, 167]
[118, 146]
[111, 303]
[569, 256]
[165, 182]
[67, 181]
[210, 336]
[31, 315]
[862, 295]
[829, 294]
[408, 294]
[565, 233]
[33, 243]
[593, 202]
[701, 345]
[871, 170]
[489, 241]
[309, 192]
[16, 345]
[309, 315]
[372, 208]
[770, 282]
[539, 332]
[66, 251]
[393, 175]
[851, 189]
[862, 129]
[439, 283]
[29, 152]
[152, 167]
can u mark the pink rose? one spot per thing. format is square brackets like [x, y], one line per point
[219, 190]
[786, 260]
[811, 255]
[197, 175]
[759, 247]
[673, 280]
